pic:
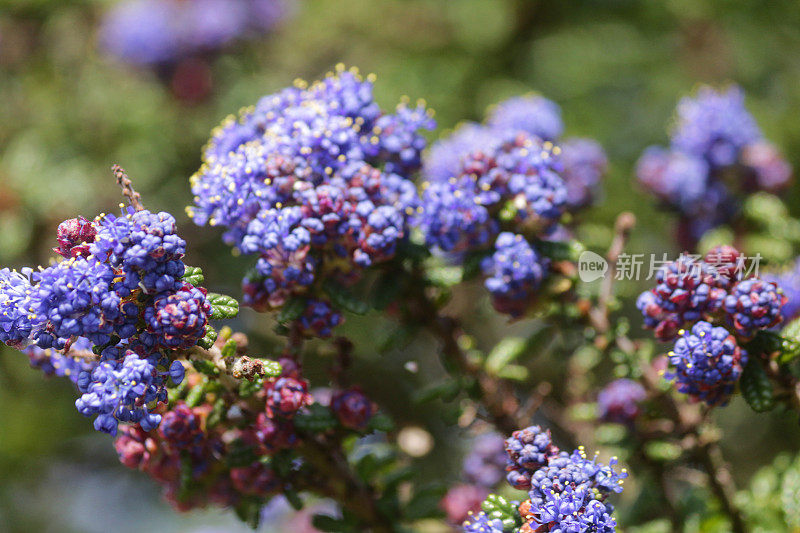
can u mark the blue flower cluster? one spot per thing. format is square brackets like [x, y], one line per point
[78, 357]
[480, 523]
[687, 290]
[620, 400]
[788, 280]
[710, 297]
[315, 181]
[567, 492]
[707, 363]
[486, 461]
[125, 391]
[754, 304]
[716, 150]
[160, 32]
[506, 174]
[118, 293]
[513, 273]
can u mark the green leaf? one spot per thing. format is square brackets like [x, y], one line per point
[756, 387]
[292, 310]
[414, 251]
[249, 512]
[294, 499]
[662, 451]
[344, 299]
[194, 275]
[229, 350]
[249, 388]
[790, 488]
[790, 347]
[425, 503]
[315, 419]
[222, 305]
[561, 250]
[272, 369]
[513, 372]
[447, 390]
[206, 367]
[497, 507]
[329, 523]
[197, 393]
[506, 351]
[209, 339]
[381, 422]
[445, 276]
[385, 290]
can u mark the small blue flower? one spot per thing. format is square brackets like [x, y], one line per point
[532, 114]
[514, 273]
[707, 363]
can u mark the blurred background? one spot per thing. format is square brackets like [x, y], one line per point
[88, 83]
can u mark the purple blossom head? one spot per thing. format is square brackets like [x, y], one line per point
[181, 427]
[313, 178]
[789, 282]
[754, 304]
[177, 320]
[619, 401]
[514, 273]
[679, 179]
[486, 461]
[481, 523]
[707, 362]
[78, 358]
[714, 126]
[353, 408]
[143, 32]
[163, 32]
[585, 164]
[461, 501]
[528, 450]
[319, 318]
[687, 290]
[119, 391]
[772, 171]
[443, 160]
[18, 319]
[533, 114]
[285, 396]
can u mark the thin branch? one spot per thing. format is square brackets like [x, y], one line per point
[126, 185]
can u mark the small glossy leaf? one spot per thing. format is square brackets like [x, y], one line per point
[209, 339]
[790, 347]
[194, 275]
[222, 306]
[506, 351]
[206, 367]
[756, 387]
[229, 350]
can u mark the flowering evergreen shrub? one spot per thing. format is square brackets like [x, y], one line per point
[348, 212]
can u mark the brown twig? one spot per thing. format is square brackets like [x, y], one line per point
[622, 229]
[338, 481]
[126, 185]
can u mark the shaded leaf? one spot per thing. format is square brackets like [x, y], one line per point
[292, 310]
[344, 299]
[756, 387]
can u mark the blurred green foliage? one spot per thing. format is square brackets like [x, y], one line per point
[617, 68]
